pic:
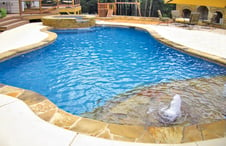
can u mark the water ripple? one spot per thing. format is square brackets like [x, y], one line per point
[81, 71]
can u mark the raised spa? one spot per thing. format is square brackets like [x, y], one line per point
[68, 21]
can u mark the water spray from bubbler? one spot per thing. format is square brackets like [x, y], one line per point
[170, 114]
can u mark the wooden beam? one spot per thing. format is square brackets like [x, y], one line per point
[20, 8]
[127, 3]
[40, 6]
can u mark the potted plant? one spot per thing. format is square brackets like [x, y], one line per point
[3, 12]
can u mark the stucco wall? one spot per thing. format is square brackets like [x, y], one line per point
[211, 11]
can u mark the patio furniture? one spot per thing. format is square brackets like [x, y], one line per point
[163, 19]
[194, 18]
[175, 15]
[211, 21]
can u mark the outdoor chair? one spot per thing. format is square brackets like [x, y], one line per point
[211, 21]
[175, 15]
[163, 19]
[193, 20]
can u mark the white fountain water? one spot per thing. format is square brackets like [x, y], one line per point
[224, 91]
[171, 113]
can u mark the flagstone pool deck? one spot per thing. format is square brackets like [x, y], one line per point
[23, 113]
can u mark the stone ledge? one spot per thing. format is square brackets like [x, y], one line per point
[49, 112]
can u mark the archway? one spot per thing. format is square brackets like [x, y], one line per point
[219, 17]
[203, 10]
[186, 13]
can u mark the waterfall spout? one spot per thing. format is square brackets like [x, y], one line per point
[171, 113]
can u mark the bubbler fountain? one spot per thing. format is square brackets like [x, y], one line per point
[171, 113]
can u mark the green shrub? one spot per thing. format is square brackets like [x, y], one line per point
[2, 12]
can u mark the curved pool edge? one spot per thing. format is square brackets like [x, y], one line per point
[49, 112]
[51, 37]
[177, 46]
[190, 51]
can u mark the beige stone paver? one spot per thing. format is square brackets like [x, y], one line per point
[21, 127]
[89, 126]
[192, 133]
[167, 134]
[218, 129]
[64, 119]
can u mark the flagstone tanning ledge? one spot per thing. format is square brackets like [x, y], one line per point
[49, 112]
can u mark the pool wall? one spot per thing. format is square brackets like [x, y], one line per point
[47, 111]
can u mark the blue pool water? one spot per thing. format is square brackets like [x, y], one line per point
[84, 68]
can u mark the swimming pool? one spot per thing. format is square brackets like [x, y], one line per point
[84, 68]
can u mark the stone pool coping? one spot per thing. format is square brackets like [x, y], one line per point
[15, 114]
[21, 50]
[49, 112]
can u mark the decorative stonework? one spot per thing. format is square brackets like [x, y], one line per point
[64, 21]
[47, 111]
[192, 133]
[64, 119]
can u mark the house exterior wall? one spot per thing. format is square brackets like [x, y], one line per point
[12, 6]
[212, 10]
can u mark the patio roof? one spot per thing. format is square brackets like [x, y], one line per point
[213, 3]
